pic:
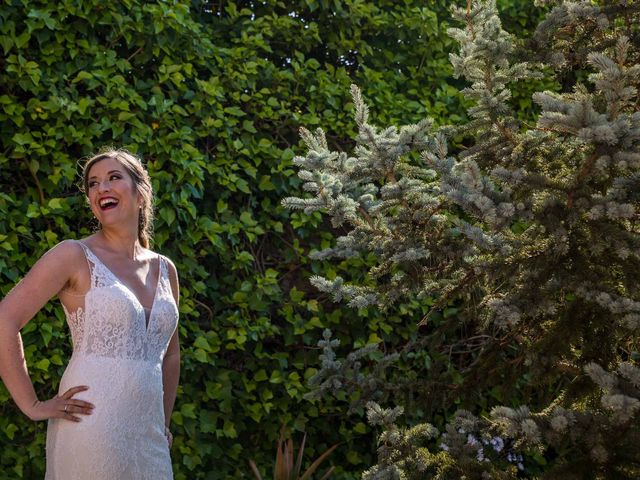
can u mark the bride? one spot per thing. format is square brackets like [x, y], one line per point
[111, 417]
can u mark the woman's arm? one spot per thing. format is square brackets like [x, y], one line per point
[171, 362]
[47, 277]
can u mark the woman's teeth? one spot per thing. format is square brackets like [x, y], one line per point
[107, 203]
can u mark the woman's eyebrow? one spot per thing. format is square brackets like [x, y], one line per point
[108, 173]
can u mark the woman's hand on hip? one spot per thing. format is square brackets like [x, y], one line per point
[168, 435]
[62, 406]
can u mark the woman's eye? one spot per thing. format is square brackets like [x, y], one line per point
[92, 184]
[114, 177]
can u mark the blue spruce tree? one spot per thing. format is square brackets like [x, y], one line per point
[531, 230]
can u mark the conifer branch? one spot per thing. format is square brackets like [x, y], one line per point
[531, 233]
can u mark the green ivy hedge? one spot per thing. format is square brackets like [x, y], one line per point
[211, 95]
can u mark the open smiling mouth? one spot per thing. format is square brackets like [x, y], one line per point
[108, 203]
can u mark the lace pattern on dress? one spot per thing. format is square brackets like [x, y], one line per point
[119, 356]
[100, 275]
[114, 323]
[164, 314]
[75, 320]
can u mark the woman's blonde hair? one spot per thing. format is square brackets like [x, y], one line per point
[133, 166]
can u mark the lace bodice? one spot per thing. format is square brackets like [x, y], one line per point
[113, 322]
[118, 354]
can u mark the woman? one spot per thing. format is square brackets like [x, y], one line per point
[111, 417]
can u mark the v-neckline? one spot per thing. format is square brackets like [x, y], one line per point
[147, 321]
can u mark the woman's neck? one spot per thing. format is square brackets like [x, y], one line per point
[124, 243]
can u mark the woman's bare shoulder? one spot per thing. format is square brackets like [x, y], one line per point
[49, 275]
[173, 275]
[67, 257]
[172, 267]
[66, 250]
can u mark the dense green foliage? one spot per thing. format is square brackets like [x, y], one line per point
[211, 95]
[529, 234]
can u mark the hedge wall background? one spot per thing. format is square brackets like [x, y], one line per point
[211, 95]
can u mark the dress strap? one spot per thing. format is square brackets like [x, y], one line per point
[97, 270]
[163, 279]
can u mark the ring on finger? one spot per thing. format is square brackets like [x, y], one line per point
[66, 405]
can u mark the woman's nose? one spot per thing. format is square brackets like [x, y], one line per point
[104, 186]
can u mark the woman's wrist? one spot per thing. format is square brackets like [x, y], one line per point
[29, 408]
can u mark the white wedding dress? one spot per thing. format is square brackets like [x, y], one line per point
[118, 355]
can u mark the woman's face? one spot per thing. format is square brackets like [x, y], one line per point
[112, 193]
